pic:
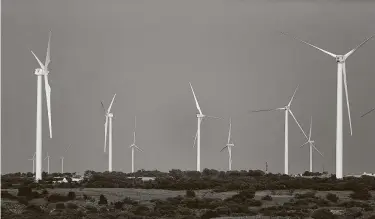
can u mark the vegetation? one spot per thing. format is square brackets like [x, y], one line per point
[247, 193]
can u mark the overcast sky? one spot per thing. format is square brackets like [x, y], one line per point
[148, 51]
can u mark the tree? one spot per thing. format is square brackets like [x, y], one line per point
[102, 200]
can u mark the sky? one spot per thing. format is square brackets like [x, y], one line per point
[148, 51]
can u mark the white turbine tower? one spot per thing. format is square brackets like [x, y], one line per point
[341, 76]
[197, 139]
[133, 146]
[33, 159]
[287, 110]
[312, 145]
[62, 160]
[47, 157]
[39, 72]
[108, 125]
[229, 145]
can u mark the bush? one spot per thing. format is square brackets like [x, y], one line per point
[267, 198]
[7, 195]
[210, 214]
[332, 197]
[24, 191]
[118, 205]
[362, 194]
[102, 200]
[60, 205]
[248, 193]
[71, 195]
[57, 198]
[45, 192]
[22, 200]
[71, 205]
[190, 193]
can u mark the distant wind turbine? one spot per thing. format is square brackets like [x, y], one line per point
[312, 145]
[62, 160]
[33, 159]
[229, 145]
[341, 76]
[197, 139]
[47, 157]
[133, 146]
[108, 123]
[287, 110]
[39, 72]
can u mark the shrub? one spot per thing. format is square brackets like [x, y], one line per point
[45, 192]
[267, 198]
[190, 193]
[332, 197]
[71, 205]
[24, 191]
[118, 205]
[102, 200]
[22, 200]
[71, 195]
[57, 198]
[210, 214]
[362, 194]
[248, 193]
[7, 195]
[60, 205]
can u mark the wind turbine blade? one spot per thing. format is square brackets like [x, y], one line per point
[317, 149]
[133, 137]
[102, 106]
[291, 113]
[195, 139]
[223, 148]
[310, 128]
[48, 98]
[304, 144]
[322, 50]
[138, 148]
[196, 101]
[135, 123]
[230, 129]
[48, 58]
[347, 98]
[368, 112]
[360, 45]
[110, 106]
[291, 99]
[262, 110]
[214, 117]
[105, 133]
[40, 63]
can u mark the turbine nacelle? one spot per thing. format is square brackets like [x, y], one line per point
[39, 72]
[110, 115]
[200, 115]
[230, 145]
[340, 58]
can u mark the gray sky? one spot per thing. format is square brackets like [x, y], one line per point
[148, 51]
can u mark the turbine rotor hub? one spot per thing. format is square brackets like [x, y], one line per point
[200, 116]
[110, 115]
[39, 72]
[340, 59]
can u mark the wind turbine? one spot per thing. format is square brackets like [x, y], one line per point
[39, 72]
[312, 145]
[62, 160]
[133, 146]
[108, 119]
[197, 139]
[341, 76]
[287, 110]
[229, 145]
[33, 159]
[47, 157]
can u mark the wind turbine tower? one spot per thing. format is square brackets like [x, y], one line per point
[108, 125]
[287, 111]
[312, 145]
[229, 145]
[62, 160]
[42, 72]
[200, 117]
[33, 159]
[133, 146]
[341, 76]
